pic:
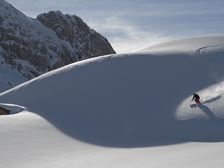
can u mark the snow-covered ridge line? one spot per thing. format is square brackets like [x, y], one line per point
[64, 68]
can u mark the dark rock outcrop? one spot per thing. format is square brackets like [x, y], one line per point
[70, 28]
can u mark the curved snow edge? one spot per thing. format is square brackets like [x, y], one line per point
[13, 108]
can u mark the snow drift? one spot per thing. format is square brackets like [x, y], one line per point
[134, 100]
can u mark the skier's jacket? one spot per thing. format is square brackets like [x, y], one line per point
[196, 97]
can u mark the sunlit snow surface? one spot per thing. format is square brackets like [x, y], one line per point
[131, 110]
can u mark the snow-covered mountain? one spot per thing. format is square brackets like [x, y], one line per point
[131, 110]
[30, 47]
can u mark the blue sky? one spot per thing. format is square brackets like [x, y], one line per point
[134, 24]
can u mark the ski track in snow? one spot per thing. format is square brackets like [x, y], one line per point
[202, 50]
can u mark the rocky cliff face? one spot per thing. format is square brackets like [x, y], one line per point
[71, 28]
[30, 47]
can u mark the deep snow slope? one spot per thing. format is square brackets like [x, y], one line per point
[134, 100]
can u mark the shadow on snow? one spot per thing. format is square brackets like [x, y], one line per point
[110, 112]
[125, 101]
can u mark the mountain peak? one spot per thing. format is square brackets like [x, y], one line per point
[32, 47]
[66, 26]
[73, 29]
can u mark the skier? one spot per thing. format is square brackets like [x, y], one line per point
[196, 98]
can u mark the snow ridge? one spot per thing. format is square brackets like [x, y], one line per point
[138, 90]
[86, 113]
